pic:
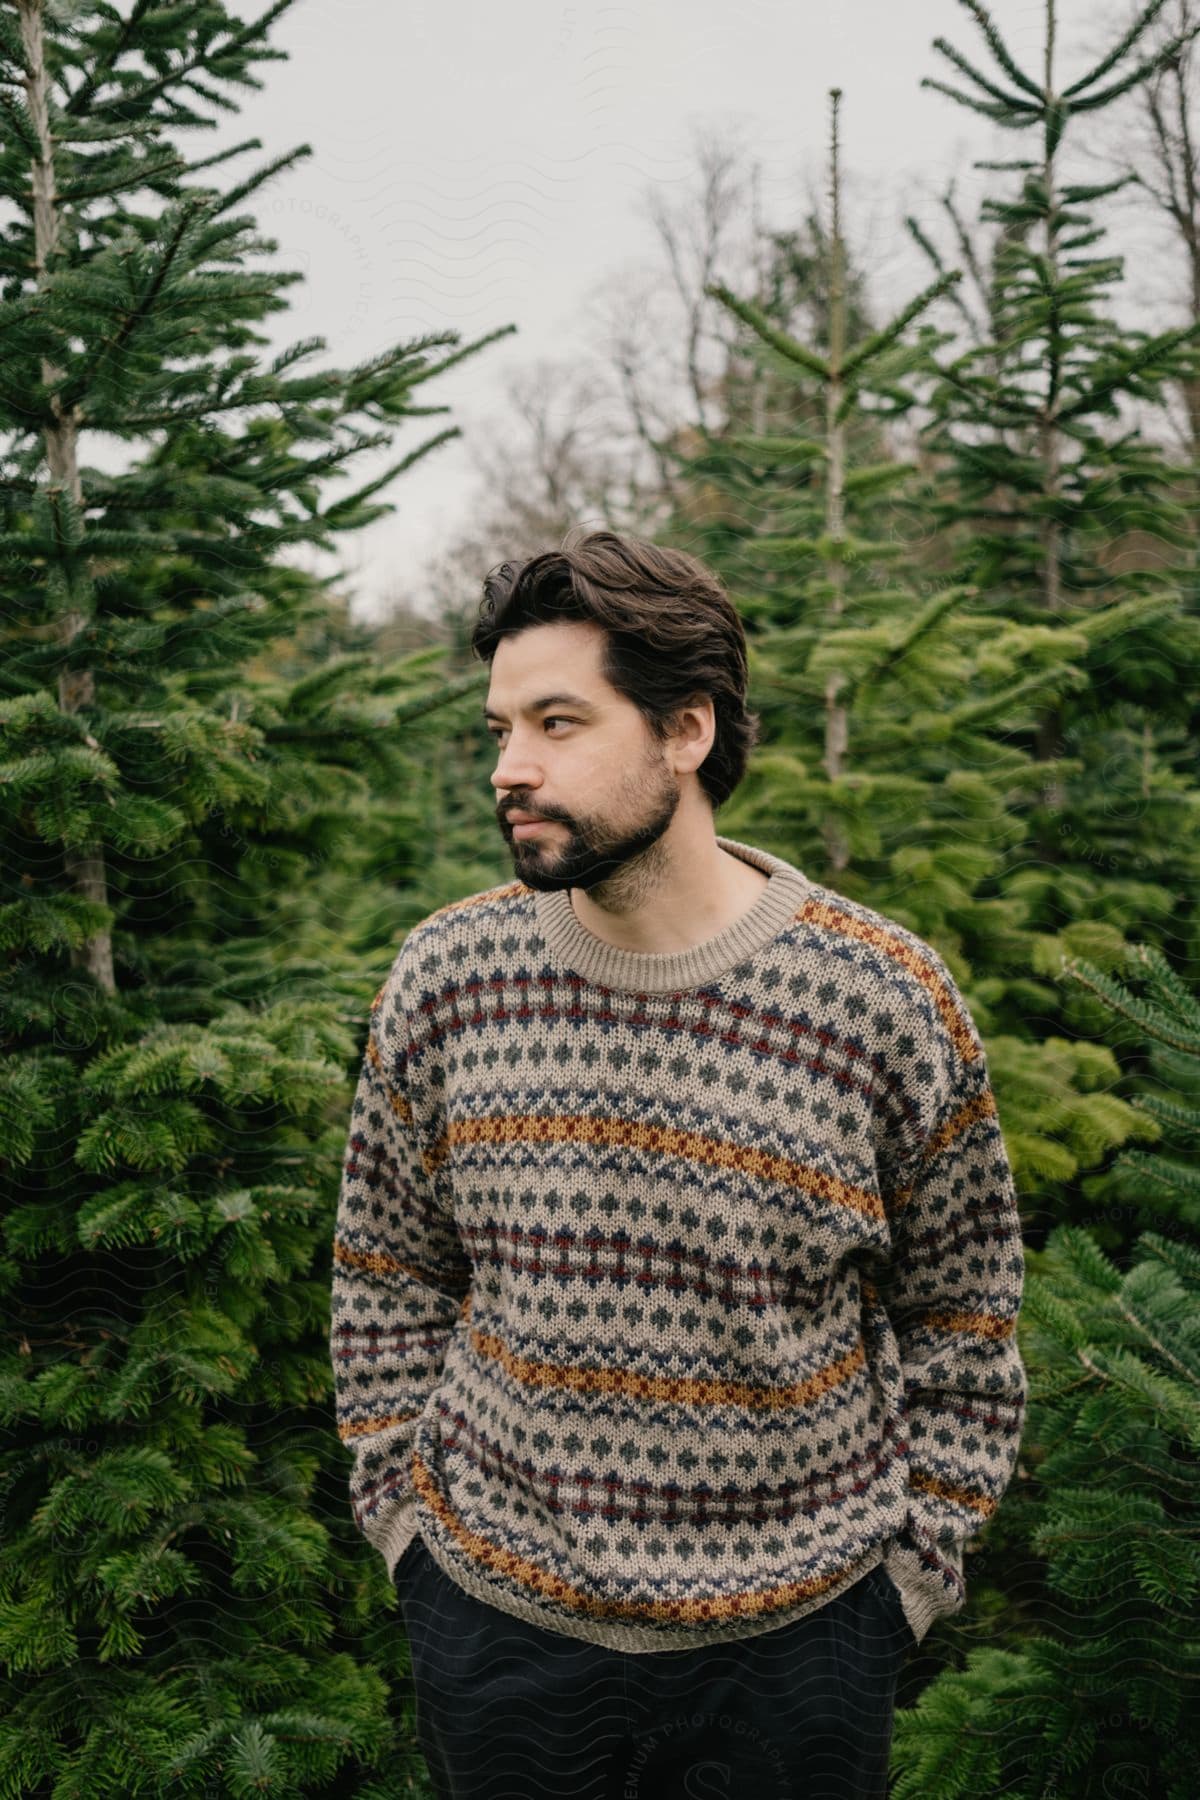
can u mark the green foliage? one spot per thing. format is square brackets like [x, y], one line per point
[975, 671]
[1094, 1686]
[1064, 516]
[194, 926]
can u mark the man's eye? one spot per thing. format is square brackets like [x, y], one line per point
[495, 731]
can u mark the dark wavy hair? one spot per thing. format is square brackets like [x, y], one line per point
[672, 634]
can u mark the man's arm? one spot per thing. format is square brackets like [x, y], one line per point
[953, 1294]
[399, 1278]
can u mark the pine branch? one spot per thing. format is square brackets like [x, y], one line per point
[256, 180]
[134, 176]
[788, 450]
[346, 506]
[203, 59]
[919, 627]
[1137, 74]
[779, 340]
[1000, 49]
[297, 352]
[213, 97]
[1076, 196]
[1012, 699]
[92, 131]
[220, 156]
[105, 64]
[972, 73]
[880, 341]
[1149, 1017]
[1001, 115]
[1117, 52]
[20, 124]
[11, 47]
[457, 356]
[1169, 990]
[74, 390]
[1120, 367]
[967, 252]
[925, 243]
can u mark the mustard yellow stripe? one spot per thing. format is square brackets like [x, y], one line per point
[488, 897]
[981, 1106]
[375, 1262]
[355, 1428]
[922, 1482]
[511, 1566]
[684, 1390]
[978, 1324]
[696, 1146]
[399, 1105]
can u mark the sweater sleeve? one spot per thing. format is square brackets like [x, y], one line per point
[400, 1276]
[953, 1296]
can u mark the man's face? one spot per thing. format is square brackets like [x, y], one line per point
[585, 764]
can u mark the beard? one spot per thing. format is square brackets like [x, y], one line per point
[610, 865]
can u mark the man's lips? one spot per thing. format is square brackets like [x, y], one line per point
[523, 824]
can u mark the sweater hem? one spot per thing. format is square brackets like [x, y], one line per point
[639, 1639]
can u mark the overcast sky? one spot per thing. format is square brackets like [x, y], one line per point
[477, 164]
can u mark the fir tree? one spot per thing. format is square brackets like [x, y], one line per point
[1067, 516]
[847, 636]
[888, 770]
[1092, 1690]
[185, 1603]
[733, 479]
[940, 744]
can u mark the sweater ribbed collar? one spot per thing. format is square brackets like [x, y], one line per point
[673, 971]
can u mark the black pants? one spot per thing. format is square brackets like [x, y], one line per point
[507, 1711]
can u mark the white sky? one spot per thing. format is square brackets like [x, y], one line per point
[477, 164]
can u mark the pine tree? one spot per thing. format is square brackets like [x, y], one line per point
[852, 638]
[196, 912]
[950, 787]
[1092, 1692]
[950, 809]
[887, 770]
[734, 478]
[1067, 516]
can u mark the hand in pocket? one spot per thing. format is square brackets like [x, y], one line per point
[409, 1558]
[893, 1596]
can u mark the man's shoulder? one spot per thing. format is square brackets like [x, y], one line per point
[436, 947]
[907, 968]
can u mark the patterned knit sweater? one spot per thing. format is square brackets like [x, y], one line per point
[674, 1291]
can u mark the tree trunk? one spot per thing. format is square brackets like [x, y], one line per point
[84, 867]
[1048, 738]
[836, 717]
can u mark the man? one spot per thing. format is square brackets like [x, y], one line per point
[677, 1261]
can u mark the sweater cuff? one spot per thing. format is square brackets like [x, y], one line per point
[393, 1529]
[930, 1579]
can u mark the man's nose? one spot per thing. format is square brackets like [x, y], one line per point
[515, 769]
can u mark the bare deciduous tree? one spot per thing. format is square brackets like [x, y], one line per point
[1161, 151]
[552, 458]
[1169, 171]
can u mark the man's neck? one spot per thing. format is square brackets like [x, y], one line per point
[716, 896]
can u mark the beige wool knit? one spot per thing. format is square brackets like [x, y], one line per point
[674, 1291]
